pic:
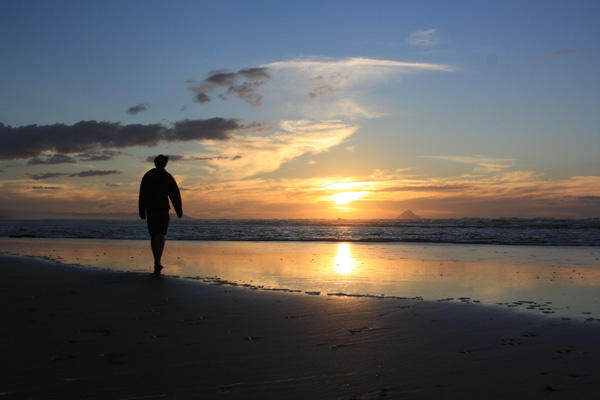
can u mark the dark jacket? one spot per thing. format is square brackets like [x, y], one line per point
[157, 187]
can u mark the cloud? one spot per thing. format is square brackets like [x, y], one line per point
[263, 154]
[172, 157]
[138, 108]
[105, 155]
[176, 157]
[425, 188]
[481, 163]
[45, 187]
[242, 84]
[333, 89]
[386, 195]
[423, 38]
[321, 91]
[89, 136]
[565, 52]
[93, 172]
[48, 175]
[357, 67]
[82, 174]
[52, 159]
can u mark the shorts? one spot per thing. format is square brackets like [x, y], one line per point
[158, 221]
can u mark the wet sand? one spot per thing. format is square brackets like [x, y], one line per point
[561, 281]
[72, 332]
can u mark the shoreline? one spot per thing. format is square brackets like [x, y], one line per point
[552, 281]
[76, 332]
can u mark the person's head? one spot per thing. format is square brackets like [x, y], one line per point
[161, 161]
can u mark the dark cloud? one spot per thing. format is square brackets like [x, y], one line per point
[207, 158]
[138, 108]
[321, 91]
[242, 84]
[591, 198]
[195, 158]
[172, 157]
[201, 97]
[94, 172]
[52, 159]
[98, 156]
[247, 92]
[45, 187]
[113, 185]
[214, 128]
[82, 174]
[565, 52]
[90, 136]
[254, 73]
[47, 175]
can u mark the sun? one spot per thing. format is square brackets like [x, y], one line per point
[344, 198]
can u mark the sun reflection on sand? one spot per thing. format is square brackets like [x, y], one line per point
[343, 261]
[569, 278]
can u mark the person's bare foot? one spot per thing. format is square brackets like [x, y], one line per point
[157, 269]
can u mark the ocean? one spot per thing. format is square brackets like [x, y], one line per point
[502, 231]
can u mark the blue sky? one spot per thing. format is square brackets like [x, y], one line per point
[491, 96]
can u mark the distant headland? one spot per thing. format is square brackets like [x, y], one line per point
[408, 214]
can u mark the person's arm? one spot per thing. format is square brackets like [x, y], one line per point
[175, 197]
[141, 200]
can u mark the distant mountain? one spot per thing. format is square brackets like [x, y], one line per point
[408, 215]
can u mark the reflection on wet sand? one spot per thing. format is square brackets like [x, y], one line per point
[565, 280]
[343, 261]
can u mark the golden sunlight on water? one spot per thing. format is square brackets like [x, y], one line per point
[343, 261]
[568, 278]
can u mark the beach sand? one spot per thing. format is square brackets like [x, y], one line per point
[70, 332]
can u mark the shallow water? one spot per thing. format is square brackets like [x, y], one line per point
[558, 281]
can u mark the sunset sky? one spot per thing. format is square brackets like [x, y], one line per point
[324, 109]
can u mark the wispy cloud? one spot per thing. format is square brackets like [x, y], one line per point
[565, 52]
[48, 175]
[423, 38]
[361, 67]
[481, 163]
[45, 187]
[81, 174]
[384, 194]
[332, 89]
[260, 154]
[178, 157]
[104, 155]
[52, 159]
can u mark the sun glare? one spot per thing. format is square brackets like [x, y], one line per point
[343, 261]
[344, 198]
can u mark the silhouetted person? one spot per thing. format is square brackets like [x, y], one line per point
[157, 187]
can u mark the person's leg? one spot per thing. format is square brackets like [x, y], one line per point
[158, 223]
[157, 242]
